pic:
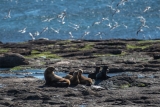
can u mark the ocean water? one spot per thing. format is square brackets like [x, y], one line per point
[23, 20]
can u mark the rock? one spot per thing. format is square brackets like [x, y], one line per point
[33, 97]
[11, 60]
[43, 41]
[110, 51]
[21, 51]
[17, 45]
[129, 62]
[156, 56]
[96, 87]
[116, 70]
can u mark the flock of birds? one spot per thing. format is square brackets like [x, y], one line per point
[61, 18]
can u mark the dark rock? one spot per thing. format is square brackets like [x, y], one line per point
[125, 78]
[109, 47]
[21, 51]
[85, 57]
[129, 62]
[12, 92]
[115, 70]
[156, 56]
[149, 69]
[33, 97]
[154, 62]
[111, 51]
[42, 41]
[81, 53]
[118, 81]
[16, 91]
[53, 102]
[151, 65]
[65, 51]
[88, 91]
[111, 43]
[16, 45]
[11, 60]
[5, 104]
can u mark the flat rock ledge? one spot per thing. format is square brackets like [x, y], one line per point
[136, 62]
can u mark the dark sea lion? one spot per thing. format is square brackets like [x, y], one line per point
[71, 72]
[102, 74]
[83, 79]
[93, 75]
[53, 79]
[74, 79]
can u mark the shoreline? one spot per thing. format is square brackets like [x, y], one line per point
[138, 88]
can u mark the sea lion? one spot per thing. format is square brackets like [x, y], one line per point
[102, 74]
[71, 72]
[73, 78]
[93, 75]
[53, 79]
[83, 79]
[68, 76]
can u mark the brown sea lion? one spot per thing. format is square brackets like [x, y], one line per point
[93, 75]
[74, 79]
[103, 73]
[68, 76]
[53, 79]
[83, 79]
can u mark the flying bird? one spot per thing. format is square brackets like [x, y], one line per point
[8, 15]
[71, 36]
[146, 9]
[23, 30]
[33, 38]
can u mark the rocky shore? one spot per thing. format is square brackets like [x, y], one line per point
[137, 62]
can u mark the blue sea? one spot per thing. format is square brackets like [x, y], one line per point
[23, 20]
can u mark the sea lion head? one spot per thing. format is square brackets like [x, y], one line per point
[105, 67]
[80, 71]
[75, 73]
[48, 75]
[97, 68]
[49, 70]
